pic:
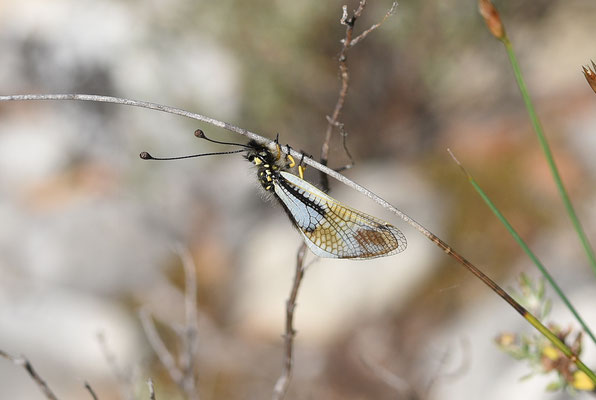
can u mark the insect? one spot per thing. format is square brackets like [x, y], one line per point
[329, 228]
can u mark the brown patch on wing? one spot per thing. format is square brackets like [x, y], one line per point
[379, 240]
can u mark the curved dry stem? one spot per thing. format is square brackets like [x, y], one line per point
[227, 126]
[309, 161]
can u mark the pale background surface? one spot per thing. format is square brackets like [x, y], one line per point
[87, 228]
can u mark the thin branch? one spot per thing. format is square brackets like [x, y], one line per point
[399, 384]
[232, 128]
[183, 372]
[309, 161]
[90, 390]
[344, 136]
[283, 381]
[159, 347]
[333, 120]
[456, 372]
[347, 42]
[281, 386]
[364, 34]
[136, 103]
[124, 379]
[191, 328]
[23, 362]
[151, 389]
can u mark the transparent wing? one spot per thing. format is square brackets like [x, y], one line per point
[333, 230]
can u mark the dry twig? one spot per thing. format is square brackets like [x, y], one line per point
[23, 362]
[91, 391]
[151, 389]
[306, 160]
[125, 380]
[158, 346]
[281, 386]
[456, 372]
[399, 384]
[190, 332]
[347, 42]
[183, 372]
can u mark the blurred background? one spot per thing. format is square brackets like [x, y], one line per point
[88, 230]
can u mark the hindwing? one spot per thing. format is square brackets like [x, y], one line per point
[332, 229]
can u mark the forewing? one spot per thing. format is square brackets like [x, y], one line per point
[333, 230]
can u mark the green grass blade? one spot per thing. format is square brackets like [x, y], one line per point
[548, 154]
[527, 250]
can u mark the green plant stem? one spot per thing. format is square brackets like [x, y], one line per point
[560, 345]
[548, 154]
[529, 252]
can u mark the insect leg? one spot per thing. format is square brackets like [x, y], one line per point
[301, 166]
[278, 147]
[291, 161]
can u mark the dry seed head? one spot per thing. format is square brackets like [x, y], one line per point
[492, 18]
[590, 74]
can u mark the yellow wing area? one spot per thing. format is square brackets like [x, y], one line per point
[333, 230]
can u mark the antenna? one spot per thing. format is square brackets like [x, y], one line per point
[146, 156]
[201, 135]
